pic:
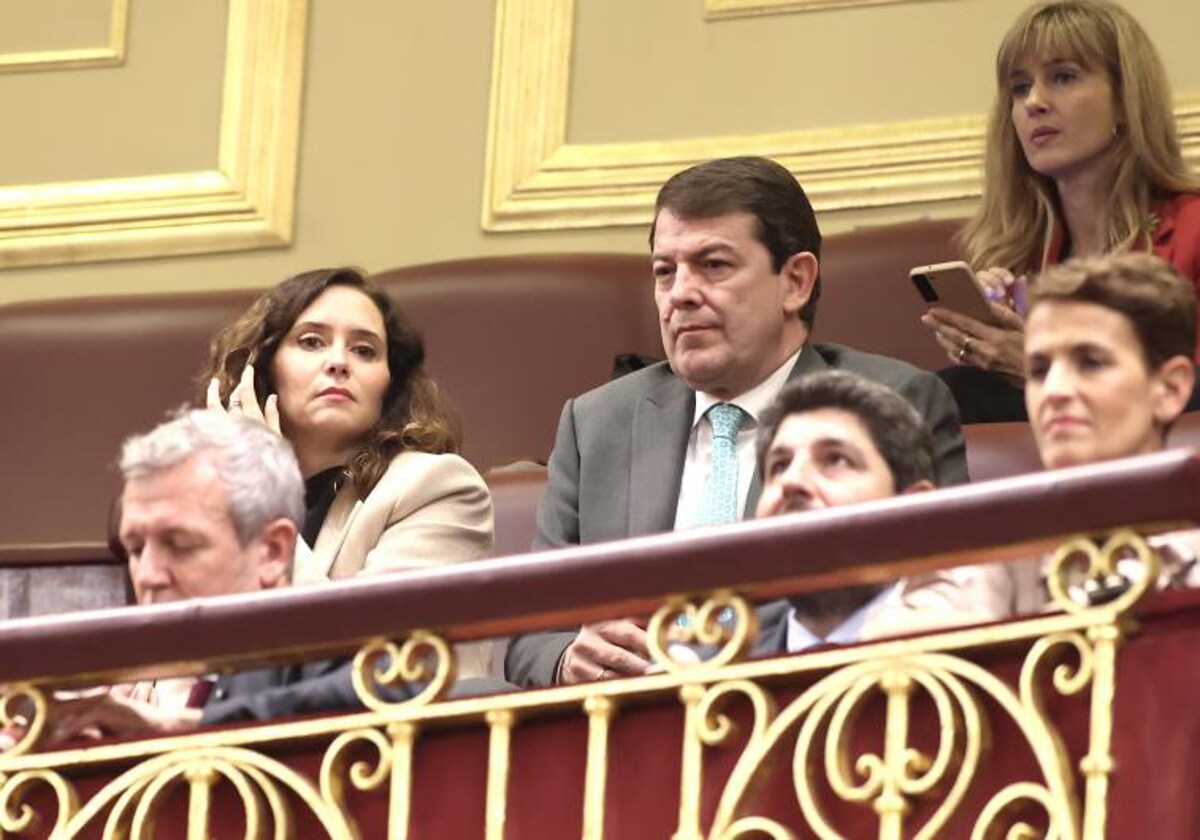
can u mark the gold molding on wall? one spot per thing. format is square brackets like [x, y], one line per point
[110, 55]
[536, 180]
[246, 202]
[721, 9]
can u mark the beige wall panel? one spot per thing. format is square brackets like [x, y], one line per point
[36, 25]
[160, 112]
[391, 160]
[689, 77]
[395, 121]
[653, 71]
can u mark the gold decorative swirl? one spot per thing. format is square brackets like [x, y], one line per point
[825, 716]
[16, 817]
[887, 782]
[755, 826]
[364, 775]
[1081, 559]
[1003, 807]
[423, 657]
[136, 795]
[680, 622]
[1068, 677]
[714, 726]
[29, 722]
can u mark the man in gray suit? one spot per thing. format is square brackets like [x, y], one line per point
[736, 263]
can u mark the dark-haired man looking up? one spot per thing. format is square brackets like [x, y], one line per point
[834, 439]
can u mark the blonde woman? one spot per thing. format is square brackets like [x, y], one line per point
[1082, 160]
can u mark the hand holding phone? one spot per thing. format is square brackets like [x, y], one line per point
[952, 285]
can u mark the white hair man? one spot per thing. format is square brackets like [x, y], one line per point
[211, 506]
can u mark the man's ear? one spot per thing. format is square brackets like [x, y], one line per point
[800, 271]
[922, 486]
[278, 539]
[1173, 388]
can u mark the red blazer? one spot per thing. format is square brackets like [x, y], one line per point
[1176, 238]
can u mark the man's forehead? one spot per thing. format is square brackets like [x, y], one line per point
[822, 425]
[189, 492]
[672, 232]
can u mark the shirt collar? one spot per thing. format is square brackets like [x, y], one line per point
[754, 401]
[800, 637]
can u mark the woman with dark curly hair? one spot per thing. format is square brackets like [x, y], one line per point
[326, 359]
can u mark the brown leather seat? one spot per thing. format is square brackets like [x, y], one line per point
[515, 496]
[1000, 450]
[509, 338]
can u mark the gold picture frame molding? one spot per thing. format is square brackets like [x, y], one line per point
[111, 54]
[246, 202]
[536, 180]
[723, 9]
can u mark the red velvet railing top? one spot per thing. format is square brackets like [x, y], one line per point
[876, 541]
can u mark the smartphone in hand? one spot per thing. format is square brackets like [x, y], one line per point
[952, 285]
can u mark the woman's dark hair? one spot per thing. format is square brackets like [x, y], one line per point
[414, 415]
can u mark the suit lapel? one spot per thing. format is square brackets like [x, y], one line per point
[809, 361]
[662, 423]
[772, 628]
[333, 532]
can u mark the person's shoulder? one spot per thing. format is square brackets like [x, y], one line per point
[628, 388]
[871, 365]
[414, 466]
[1182, 208]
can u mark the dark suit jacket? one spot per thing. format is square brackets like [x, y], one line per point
[277, 692]
[323, 686]
[618, 460]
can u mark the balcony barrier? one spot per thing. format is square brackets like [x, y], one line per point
[1080, 723]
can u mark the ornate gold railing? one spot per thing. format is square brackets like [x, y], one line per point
[992, 731]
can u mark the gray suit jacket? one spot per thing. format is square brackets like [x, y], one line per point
[618, 460]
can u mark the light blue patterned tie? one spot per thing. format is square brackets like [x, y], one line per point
[720, 500]
[719, 503]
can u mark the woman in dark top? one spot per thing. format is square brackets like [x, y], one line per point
[327, 360]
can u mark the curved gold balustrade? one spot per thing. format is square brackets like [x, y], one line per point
[895, 739]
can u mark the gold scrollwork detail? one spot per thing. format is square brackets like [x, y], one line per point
[826, 716]
[724, 621]
[17, 817]
[23, 715]
[424, 657]
[1096, 567]
[724, 9]
[364, 774]
[134, 798]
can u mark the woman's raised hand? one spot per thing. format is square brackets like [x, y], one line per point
[244, 401]
[1002, 286]
[997, 347]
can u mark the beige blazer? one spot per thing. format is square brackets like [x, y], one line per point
[998, 591]
[427, 510]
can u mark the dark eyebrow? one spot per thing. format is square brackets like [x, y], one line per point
[703, 252]
[321, 326]
[777, 449]
[836, 441]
